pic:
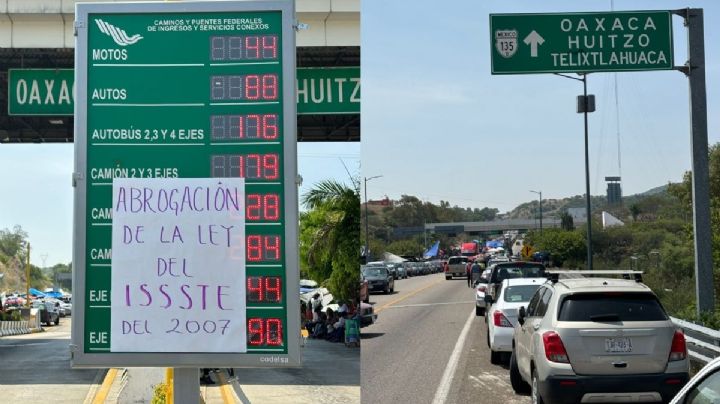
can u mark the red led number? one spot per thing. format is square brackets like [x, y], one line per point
[261, 87]
[265, 331]
[258, 126]
[269, 47]
[252, 47]
[264, 289]
[262, 207]
[263, 248]
[258, 166]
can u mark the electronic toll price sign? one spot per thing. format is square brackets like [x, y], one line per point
[185, 196]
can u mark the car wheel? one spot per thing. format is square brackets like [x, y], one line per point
[518, 384]
[479, 311]
[386, 290]
[447, 278]
[535, 393]
[57, 321]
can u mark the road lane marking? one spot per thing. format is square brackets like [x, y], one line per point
[400, 299]
[226, 390]
[441, 394]
[105, 388]
[429, 304]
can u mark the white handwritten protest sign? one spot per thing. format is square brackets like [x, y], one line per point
[178, 266]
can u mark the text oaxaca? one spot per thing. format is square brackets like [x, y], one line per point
[602, 41]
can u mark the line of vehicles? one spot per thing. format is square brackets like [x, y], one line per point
[574, 337]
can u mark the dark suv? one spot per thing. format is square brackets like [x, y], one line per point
[50, 313]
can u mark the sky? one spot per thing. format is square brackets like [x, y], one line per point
[37, 191]
[438, 125]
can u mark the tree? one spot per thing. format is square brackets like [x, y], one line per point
[330, 237]
[634, 211]
[566, 222]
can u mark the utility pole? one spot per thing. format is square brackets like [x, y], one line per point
[27, 277]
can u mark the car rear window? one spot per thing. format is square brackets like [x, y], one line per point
[453, 261]
[610, 306]
[520, 293]
[503, 272]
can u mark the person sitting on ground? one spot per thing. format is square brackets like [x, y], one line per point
[338, 334]
[320, 330]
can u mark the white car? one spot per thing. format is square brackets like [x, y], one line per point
[502, 315]
[480, 288]
[704, 387]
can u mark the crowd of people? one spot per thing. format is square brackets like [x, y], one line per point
[325, 323]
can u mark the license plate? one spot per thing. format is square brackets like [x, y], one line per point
[618, 345]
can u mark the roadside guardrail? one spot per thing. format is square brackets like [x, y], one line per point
[703, 343]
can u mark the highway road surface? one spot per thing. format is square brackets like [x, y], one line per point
[36, 368]
[429, 347]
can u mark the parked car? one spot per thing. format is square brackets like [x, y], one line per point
[409, 268]
[480, 288]
[367, 315]
[502, 314]
[364, 290]
[597, 340]
[67, 307]
[703, 388]
[49, 312]
[402, 271]
[509, 270]
[378, 278]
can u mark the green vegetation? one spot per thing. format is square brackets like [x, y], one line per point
[13, 259]
[329, 238]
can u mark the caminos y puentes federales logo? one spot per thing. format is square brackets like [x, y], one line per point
[117, 34]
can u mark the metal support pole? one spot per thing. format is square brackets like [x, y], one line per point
[367, 255]
[541, 229]
[27, 278]
[587, 181]
[186, 385]
[700, 172]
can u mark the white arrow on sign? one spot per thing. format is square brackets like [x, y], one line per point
[533, 39]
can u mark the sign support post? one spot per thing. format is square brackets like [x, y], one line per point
[695, 71]
[186, 385]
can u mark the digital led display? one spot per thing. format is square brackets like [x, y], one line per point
[248, 87]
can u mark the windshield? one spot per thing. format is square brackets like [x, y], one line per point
[374, 271]
[457, 260]
[520, 293]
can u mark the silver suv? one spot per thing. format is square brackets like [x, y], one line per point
[598, 340]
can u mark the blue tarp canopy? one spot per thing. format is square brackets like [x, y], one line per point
[56, 295]
[432, 251]
[494, 244]
[35, 292]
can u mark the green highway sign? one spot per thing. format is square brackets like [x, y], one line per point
[185, 185]
[581, 42]
[320, 91]
[328, 90]
[41, 91]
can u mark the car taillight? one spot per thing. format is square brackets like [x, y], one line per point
[678, 349]
[499, 320]
[482, 288]
[554, 348]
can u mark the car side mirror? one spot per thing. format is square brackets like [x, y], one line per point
[488, 299]
[521, 315]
